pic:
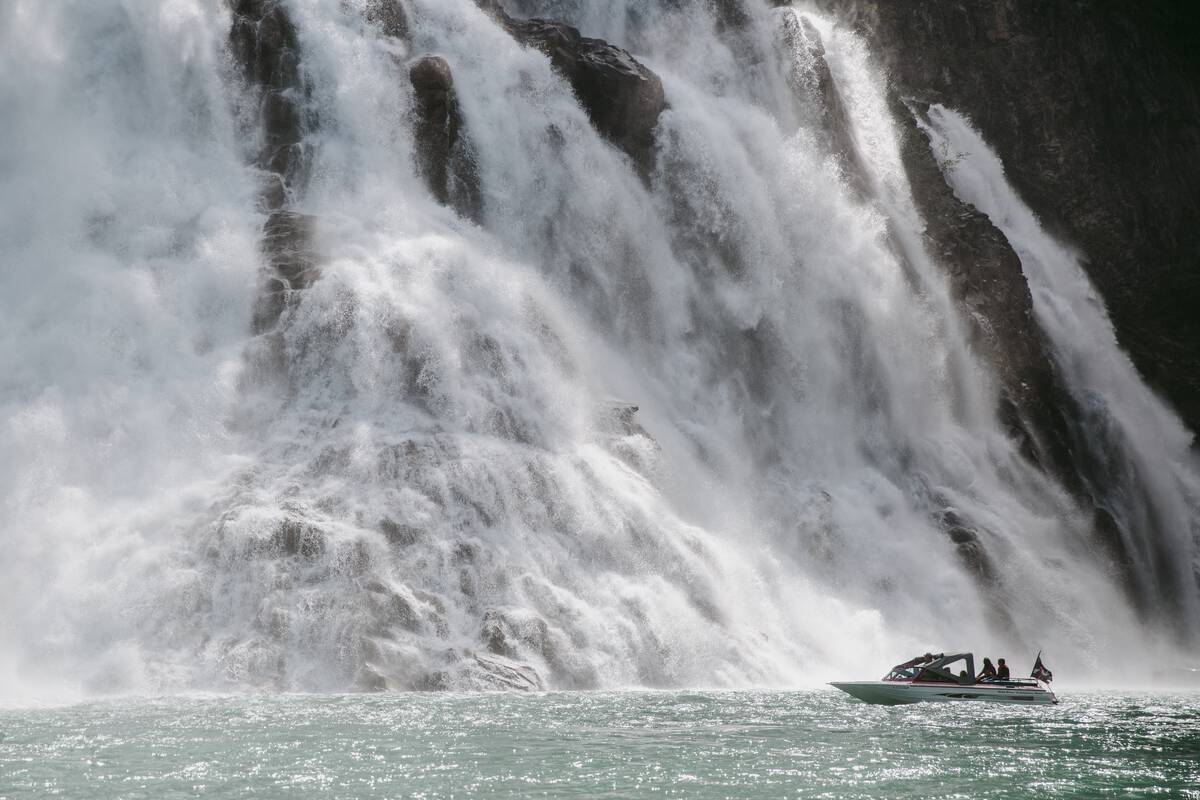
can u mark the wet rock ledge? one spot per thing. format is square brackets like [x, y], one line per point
[621, 96]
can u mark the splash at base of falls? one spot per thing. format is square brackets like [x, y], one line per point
[710, 421]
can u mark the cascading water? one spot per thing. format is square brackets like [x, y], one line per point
[429, 473]
[1153, 478]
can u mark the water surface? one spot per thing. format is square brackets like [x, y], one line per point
[614, 744]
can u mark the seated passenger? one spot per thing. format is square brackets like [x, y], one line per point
[988, 670]
[1001, 669]
[962, 676]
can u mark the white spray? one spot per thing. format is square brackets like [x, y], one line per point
[442, 491]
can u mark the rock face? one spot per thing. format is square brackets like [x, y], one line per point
[290, 264]
[445, 157]
[814, 88]
[263, 43]
[389, 16]
[1095, 109]
[1096, 114]
[987, 280]
[622, 97]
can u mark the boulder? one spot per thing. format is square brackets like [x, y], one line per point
[622, 98]
[445, 157]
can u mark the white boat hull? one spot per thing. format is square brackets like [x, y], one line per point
[894, 693]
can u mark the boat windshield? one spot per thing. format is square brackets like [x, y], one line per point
[901, 674]
[940, 668]
[909, 669]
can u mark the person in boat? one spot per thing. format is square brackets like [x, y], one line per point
[1001, 670]
[988, 672]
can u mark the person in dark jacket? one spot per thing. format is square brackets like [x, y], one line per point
[988, 672]
[1001, 669]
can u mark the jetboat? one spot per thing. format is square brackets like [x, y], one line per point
[933, 678]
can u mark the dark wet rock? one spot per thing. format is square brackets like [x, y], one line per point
[399, 534]
[295, 537]
[730, 14]
[290, 265]
[264, 46]
[389, 16]
[1127, 524]
[263, 42]
[970, 549]
[621, 96]
[393, 609]
[987, 280]
[1035, 405]
[445, 156]
[288, 239]
[814, 86]
[521, 636]
[1094, 108]
[274, 191]
[493, 8]
[493, 634]
[975, 558]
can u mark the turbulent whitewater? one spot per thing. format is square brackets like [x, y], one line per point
[567, 414]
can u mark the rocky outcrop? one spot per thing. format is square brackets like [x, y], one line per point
[987, 280]
[1095, 109]
[445, 157]
[1067, 148]
[263, 43]
[817, 95]
[389, 16]
[622, 97]
[513, 638]
[290, 264]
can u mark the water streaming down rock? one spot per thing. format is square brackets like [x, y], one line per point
[429, 480]
[1140, 467]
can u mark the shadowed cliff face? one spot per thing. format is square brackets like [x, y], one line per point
[1095, 110]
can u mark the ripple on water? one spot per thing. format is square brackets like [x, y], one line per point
[686, 744]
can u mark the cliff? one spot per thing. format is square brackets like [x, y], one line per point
[1095, 109]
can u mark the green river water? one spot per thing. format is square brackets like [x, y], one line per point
[612, 744]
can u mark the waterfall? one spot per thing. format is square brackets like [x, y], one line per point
[704, 418]
[1153, 477]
